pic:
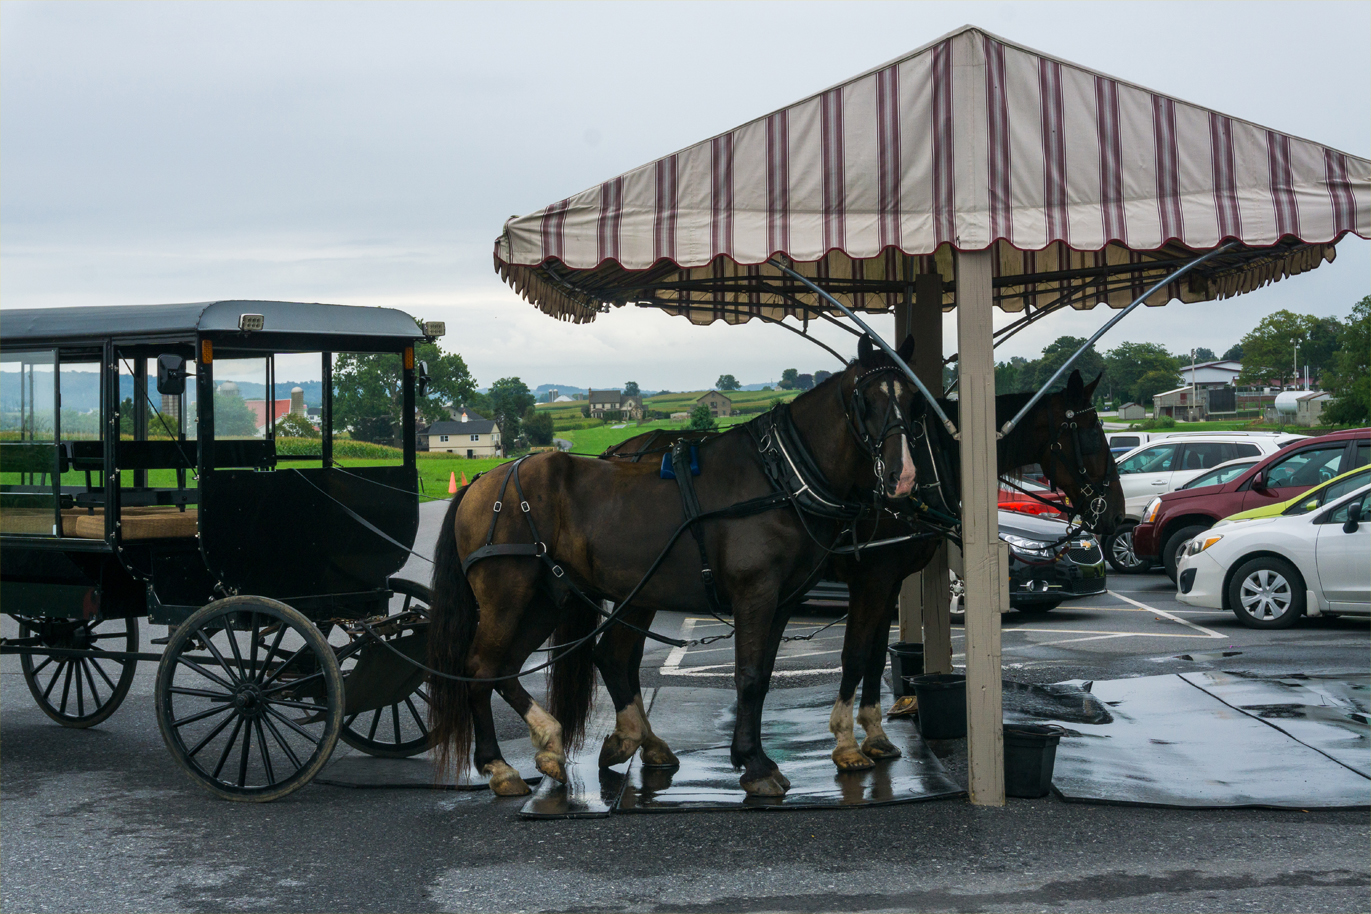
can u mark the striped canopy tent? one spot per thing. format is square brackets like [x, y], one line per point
[970, 173]
[1087, 189]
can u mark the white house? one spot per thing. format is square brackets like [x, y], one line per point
[1132, 411]
[469, 435]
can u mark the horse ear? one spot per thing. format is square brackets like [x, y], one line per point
[1075, 387]
[1090, 388]
[906, 350]
[866, 352]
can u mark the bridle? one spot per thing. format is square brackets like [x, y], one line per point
[892, 419]
[1096, 505]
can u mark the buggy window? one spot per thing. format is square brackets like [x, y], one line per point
[30, 460]
[368, 409]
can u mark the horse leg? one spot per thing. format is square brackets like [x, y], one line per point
[619, 657]
[876, 635]
[543, 729]
[757, 639]
[846, 755]
[615, 654]
[503, 779]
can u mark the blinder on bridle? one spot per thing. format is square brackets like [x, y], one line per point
[892, 420]
[1086, 442]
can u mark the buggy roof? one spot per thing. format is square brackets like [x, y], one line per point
[48, 325]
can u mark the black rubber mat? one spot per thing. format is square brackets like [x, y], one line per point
[1208, 741]
[1325, 713]
[698, 725]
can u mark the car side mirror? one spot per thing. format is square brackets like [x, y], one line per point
[1353, 518]
[1259, 483]
[171, 374]
[421, 369]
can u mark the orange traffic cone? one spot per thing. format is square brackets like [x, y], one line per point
[452, 484]
[464, 480]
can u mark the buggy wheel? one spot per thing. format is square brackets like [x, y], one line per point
[80, 691]
[249, 699]
[398, 729]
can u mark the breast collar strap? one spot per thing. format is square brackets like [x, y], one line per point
[793, 470]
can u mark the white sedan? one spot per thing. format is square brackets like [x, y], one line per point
[1271, 570]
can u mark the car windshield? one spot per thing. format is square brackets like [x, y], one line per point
[1219, 475]
[1155, 459]
[1331, 492]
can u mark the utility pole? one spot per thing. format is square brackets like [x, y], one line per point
[1192, 385]
[1297, 364]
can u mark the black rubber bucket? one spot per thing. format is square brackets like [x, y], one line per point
[906, 659]
[1030, 752]
[942, 705]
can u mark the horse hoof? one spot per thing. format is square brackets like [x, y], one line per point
[616, 749]
[879, 747]
[659, 755]
[507, 783]
[768, 786]
[780, 778]
[850, 758]
[551, 765]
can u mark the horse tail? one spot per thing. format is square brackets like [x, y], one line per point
[453, 617]
[571, 678]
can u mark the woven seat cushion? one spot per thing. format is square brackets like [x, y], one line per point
[139, 524]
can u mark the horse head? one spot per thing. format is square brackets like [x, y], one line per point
[1075, 456]
[881, 404]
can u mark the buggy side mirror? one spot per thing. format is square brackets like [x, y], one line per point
[1353, 518]
[171, 374]
[421, 370]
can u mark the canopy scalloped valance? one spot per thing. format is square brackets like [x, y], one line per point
[1088, 188]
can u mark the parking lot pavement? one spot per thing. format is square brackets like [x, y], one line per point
[103, 820]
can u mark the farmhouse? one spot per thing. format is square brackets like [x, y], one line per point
[606, 401]
[718, 404]
[468, 435]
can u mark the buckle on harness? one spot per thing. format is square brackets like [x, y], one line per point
[497, 507]
[707, 574]
[524, 505]
[557, 571]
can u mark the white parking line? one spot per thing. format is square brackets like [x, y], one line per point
[1163, 613]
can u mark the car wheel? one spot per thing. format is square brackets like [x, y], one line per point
[1037, 607]
[1266, 592]
[1171, 552]
[1118, 549]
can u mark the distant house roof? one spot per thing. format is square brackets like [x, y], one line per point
[473, 426]
[564, 399]
[1314, 395]
[605, 396]
[1128, 404]
[715, 393]
[1184, 388]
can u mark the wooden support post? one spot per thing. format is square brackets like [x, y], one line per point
[984, 563]
[924, 597]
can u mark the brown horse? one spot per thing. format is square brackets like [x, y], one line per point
[576, 531]
[1076, 460]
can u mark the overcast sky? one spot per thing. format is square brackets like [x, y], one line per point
[370, 153]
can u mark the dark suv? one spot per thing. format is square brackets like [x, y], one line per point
[1172, 519]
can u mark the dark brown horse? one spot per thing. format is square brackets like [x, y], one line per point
[1076, 460]
[544, 540]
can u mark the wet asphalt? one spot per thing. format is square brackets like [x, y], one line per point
[103, 820]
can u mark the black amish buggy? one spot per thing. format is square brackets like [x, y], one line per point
[141, 476]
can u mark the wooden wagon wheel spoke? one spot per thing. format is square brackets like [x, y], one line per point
[396, 729]
[91, 702]
[238, 740]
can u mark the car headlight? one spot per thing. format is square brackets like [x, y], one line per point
[1201, 543]
[1150, 512]
[1025, 546]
